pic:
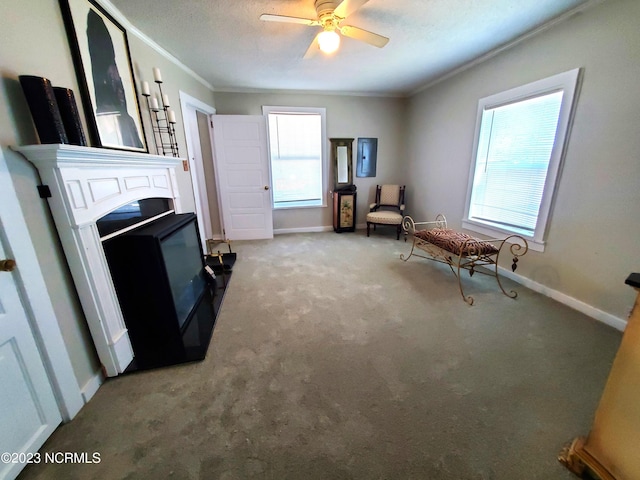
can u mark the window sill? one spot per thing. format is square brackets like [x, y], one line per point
[298, 205]
[495, 232]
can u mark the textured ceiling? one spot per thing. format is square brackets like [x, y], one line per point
[226, 43]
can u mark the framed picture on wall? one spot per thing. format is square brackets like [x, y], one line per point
[103, 65]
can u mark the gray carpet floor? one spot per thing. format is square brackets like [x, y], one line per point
[334, 359]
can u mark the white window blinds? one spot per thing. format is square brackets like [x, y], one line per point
[296, 158]
[514, 150]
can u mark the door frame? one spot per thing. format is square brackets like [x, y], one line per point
[190, 106]
[36, 300]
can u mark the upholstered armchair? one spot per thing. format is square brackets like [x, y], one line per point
[388, 208]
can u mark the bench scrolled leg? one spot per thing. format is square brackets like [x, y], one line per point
[467, 298]
[409, 227]
[517, 249]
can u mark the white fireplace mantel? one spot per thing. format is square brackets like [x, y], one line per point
[87, 183]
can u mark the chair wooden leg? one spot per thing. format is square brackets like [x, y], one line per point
[398, 232]
[368, 226]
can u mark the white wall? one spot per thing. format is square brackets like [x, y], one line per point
[174, 79]
[34, 42]
[347, 117]
[593, 241]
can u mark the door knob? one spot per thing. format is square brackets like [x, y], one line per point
[7, 265]
[266, 187]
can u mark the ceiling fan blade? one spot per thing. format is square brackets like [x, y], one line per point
[282, 18]
[347, 7]
[364, 36]
[313, 49]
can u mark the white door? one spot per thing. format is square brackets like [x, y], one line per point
[242, 169]
[29, 412]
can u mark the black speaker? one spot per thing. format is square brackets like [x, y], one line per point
[44, 109]
[70, 115]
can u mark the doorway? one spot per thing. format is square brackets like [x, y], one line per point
[201, 166]
[229, 165]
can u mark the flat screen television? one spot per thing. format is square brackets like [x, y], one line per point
[163, 290]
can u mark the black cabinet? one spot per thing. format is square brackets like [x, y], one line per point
[344, 210]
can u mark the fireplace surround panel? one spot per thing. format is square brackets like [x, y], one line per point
[86, 184]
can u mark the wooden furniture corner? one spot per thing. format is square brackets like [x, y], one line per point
[610, 451]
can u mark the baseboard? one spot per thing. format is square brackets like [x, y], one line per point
[596, 314]
[91, 387]
[281, 231]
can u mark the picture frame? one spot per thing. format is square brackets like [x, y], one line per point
[102, 61]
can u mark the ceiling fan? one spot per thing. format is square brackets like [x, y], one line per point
[331, 14]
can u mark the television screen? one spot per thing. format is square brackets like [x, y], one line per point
[182, 260]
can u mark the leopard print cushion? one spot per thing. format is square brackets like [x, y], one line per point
[454, 242]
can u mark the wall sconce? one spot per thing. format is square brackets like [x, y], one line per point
[163, 120]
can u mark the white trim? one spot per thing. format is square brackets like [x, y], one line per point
[80, 156]
[495, 232]
[190, 106]
[322, 111]
[332, 93]
[569, 82]
[186, 99]
[595, 313]
[282, 231]
[131, 29]
[38, 305]
[298, 205]
[91, 387]
[507, 46]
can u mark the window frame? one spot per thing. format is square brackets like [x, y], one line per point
[569, 83]
[266, 110]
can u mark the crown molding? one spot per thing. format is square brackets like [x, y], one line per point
[530, 34]
[132, 29]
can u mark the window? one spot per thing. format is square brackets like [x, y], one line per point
[298, 156]
[518, 151]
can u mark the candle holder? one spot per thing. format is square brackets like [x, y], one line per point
[163, 119]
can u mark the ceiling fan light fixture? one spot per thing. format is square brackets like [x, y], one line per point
[329, 41]
[330, 15]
